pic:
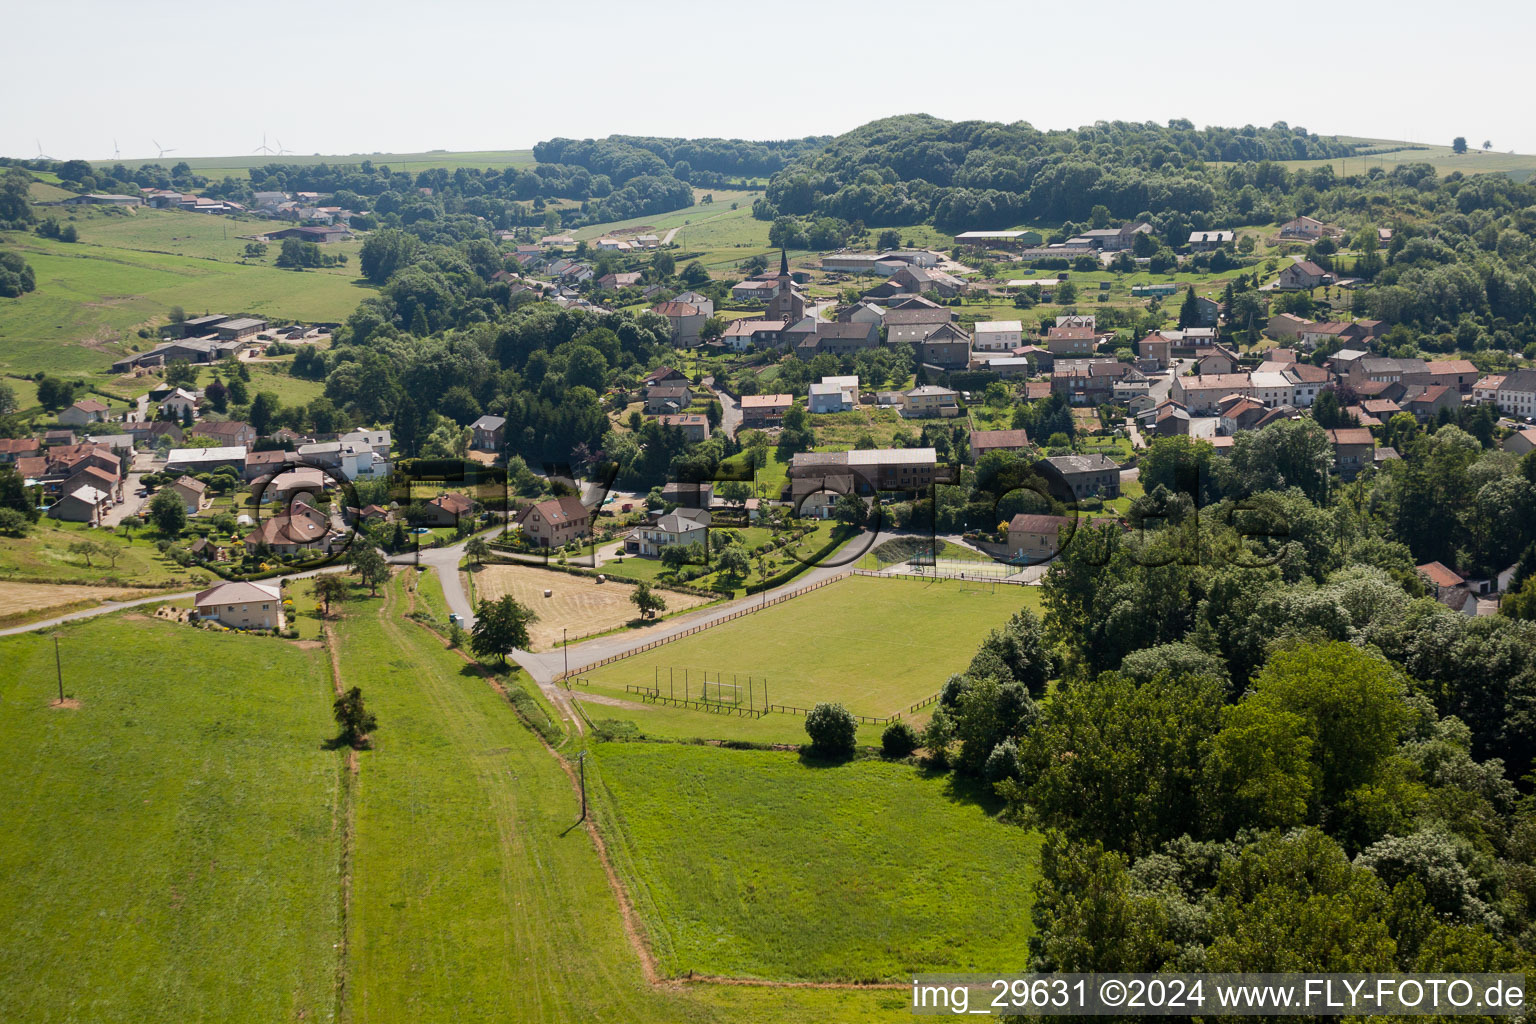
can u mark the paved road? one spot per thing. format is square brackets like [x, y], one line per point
[117, 606]
[667, 238]
[143, 462]
[730, 409]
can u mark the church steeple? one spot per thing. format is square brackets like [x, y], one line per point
[783, 263]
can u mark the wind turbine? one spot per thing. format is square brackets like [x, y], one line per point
[280, 150]
[264, 148]
[40, 154]
[116, 153]
[163, 149]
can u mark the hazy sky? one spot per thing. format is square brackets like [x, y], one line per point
[339, 77]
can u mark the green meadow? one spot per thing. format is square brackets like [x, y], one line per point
[91, 299]
[171, 844]
[750, 863]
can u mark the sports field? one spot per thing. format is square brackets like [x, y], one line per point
[578, 604]
[751, 864]
[875, 645]
[170, 844]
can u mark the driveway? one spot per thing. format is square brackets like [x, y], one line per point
[730, 409]
[143, 462]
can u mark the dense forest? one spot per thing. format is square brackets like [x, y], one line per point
[1266, 749]
[978, 174]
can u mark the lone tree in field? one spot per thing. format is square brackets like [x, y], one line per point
[500, 628]
[477, 550]
[831, 728]
[370, 566]
[329, 587]
[355, 720]
[168, 512]
[648, 601]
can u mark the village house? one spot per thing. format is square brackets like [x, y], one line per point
[15, 448]
[1457, 374]
[818, 478]
[685, 320]
[947, 348]
[1071, 341]
[1215, 359]
[1306, 228]
[242, 605]
[1286, 326]
[754, 290]
[1426, 403]
[1088, 475]
[447, 510]
[1448, 587]
[300, 482]
[192, 492]
[268, 463]
[84, 412]
[555, 522]
[204, 460]
[667, 397]
[1038, 538]
[1207, 241]
[1272, 388]
[228, 433]
[997, 335]
[179, 403]
[1156, 348]
[930, 400]
[745, 335]
[833, 394]
[1345, 332]
[302, 528]
[1086, 381]
[681, 526]
[837, 339]
[764, 411]
[1354, 448]
[85, 504]
[695, 427]
[911, 325]
[983, 442]
[1203, 394]
[1303, 275]
[1521, 442]
[488, 433]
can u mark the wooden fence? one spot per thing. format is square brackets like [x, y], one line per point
[653, 696]
[789, 709]
[756, 606]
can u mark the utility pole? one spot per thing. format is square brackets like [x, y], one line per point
[58, 666]
[581, 763]
[567, 652]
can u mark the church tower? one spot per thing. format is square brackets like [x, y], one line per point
[787, 305]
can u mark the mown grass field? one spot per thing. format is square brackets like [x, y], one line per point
[171, 845]
[176, 841]
[874, 869]
[91, 299]
[875, 645]
[188, 234]
[1519, 166]
[472, 896]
